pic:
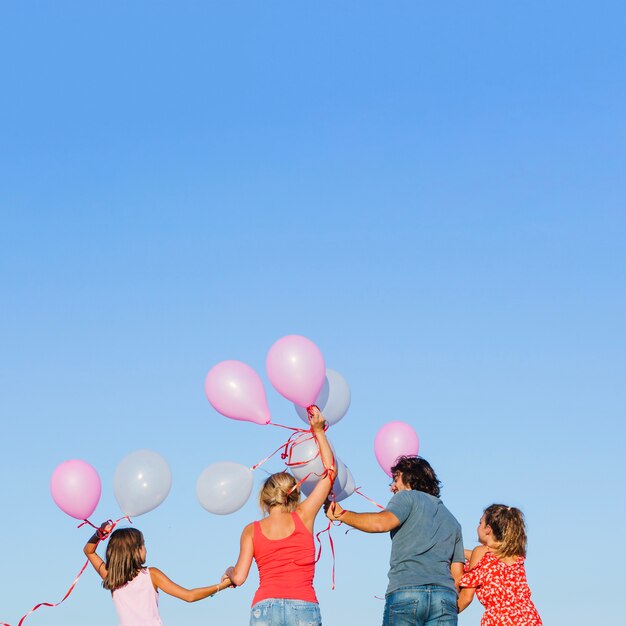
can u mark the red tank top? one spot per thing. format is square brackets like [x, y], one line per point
[286, 566]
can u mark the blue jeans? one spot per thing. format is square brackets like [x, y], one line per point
[283, 612]
[424, 605]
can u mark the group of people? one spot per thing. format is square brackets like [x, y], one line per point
[431, 576]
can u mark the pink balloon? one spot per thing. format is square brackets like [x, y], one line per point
[75, 487]
[296, 369]
[235, 390]
[393, 440]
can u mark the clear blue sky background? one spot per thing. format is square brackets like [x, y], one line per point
[433, 192]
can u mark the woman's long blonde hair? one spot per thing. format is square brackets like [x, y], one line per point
[124, 558]
[279, 490]
[508, 528]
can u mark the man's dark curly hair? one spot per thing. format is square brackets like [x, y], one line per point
[417, 474]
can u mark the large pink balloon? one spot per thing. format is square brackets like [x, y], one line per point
[393, 440]
[235, 390]
[296, 369]
[75, 487]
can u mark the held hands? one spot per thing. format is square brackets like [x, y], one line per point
[333, 510]
[226, 576]
[316, 419]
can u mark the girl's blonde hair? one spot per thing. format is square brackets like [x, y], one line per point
[508, 528]
[124, 559]
[279, 490]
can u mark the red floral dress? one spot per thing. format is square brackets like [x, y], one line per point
[503, 591]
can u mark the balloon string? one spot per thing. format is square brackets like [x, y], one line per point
[289, 452]
[101, 535]
[286, 446]
[319, 551]
[64, 597]
[113, 524]
[301, 430]
[364, 496]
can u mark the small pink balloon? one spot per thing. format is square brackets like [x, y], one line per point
[75, 487]
[235, 390]
[393, 440]
[296, 369]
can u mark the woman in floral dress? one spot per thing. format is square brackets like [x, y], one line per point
[496, 573]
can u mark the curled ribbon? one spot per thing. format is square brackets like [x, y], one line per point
[101, 535]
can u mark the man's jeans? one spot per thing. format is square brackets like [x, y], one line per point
[425, 605]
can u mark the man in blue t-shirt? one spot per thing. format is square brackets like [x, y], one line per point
[426, 546]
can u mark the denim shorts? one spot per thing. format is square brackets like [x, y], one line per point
[284, 612]
[423, 605]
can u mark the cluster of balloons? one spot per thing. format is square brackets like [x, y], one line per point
[297, 370]
[141, 482]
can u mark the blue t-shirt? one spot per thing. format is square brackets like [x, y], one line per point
[428, 539]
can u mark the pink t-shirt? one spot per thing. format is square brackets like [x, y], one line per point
[137, 602]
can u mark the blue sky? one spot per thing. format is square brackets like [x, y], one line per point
[432, 192]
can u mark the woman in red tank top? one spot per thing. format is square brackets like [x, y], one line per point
[282, 544]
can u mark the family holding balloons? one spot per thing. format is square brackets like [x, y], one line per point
[431, 577]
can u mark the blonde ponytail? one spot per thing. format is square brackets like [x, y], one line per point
[279, 490]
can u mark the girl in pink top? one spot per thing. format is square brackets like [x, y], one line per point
[282, 544]
[134, 587]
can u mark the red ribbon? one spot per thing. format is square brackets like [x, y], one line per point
[57, 603]
[286, 446]
[372, 501]
[319, 550]
[101, 535]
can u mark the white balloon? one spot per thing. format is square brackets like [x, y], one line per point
[333, 400]
[142, 480]
[305, 455]
[345, 487]
[309, 484]
[224, 487]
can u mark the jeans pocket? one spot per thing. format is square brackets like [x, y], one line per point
[259, 615]
[307, 615]
[404, 612]
[449, 613]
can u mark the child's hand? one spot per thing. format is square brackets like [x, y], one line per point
[226, 576]
[105, 529]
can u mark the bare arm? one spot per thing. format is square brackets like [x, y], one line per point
[90, 550]
[239, 573]
[367, 522]
[161, 581]
[310, 506]
[466, 595]
[456, 569]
